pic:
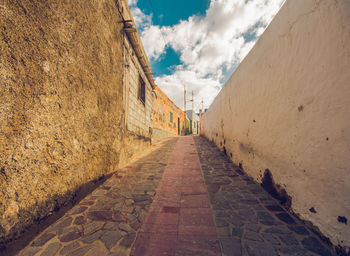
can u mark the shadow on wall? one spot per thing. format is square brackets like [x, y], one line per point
[13, 246]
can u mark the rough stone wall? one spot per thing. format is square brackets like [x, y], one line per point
[287, 107]
[62, 122]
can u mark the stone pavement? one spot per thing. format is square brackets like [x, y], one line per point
[106, 221]
[186, 198]
[248, 220]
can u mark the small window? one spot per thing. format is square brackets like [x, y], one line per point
[142, 90]
[171, 117]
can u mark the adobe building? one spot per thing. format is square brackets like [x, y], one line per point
[168, 118]
[284, 113]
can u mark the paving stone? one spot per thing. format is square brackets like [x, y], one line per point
[192, 246]
[258, 249]
[274, 208]
[220, 214]
[289, 240]
[314, 245]
[286, 218]
[235, 220]
[119, 217]
[30, 251]
[220, 223]
[223, 231]
[265, 216]
[96, 251]
[249, 235]
[120, 251]
[92, 227]
[51, 249]
[269, 222]
[111, 225]
[237, 232]
[294, 251]
[231, 246]
[139, 198]
[93, 237]
[80, 251]
[100, 215]
[78, 209]
[300, 230]
[271, 239]
[110, 238]
[43, 239]
[252, 227]
[128, 240]
[79, 220]
[280, 230]
[69, 247]
[247, 214]
[125, 227]
[69, 234]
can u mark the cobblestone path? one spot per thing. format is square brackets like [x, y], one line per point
[106, 221]
[248, 220]
[185, 198]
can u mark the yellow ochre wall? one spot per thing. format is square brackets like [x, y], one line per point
[162, 126]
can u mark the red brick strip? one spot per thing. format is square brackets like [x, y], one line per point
[180, 220]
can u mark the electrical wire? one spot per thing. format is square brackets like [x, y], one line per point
[157, 20]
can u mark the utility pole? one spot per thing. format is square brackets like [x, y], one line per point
[185, 109]
[192, 102]
[202, 107]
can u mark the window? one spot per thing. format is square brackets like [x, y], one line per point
[142, 90]
[171, 117]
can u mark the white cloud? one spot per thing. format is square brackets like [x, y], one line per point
[208, 45]
[132, 2]
[203, 88]
[142, 20]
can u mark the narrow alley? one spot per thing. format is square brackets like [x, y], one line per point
[183, 198]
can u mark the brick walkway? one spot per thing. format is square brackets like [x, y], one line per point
[180, 221]
[185, 198]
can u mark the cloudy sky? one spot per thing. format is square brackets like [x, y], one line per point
[199, 43]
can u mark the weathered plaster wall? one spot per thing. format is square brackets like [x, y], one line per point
[194, 122]
[163, 126]
[140, 115]
[287, 107]
[62, 116]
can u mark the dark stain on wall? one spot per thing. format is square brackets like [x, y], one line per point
[245, 148]
[343, 219]
[312, 209]
[275, 189]
[300, 108]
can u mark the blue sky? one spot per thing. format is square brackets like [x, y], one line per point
[199, 43]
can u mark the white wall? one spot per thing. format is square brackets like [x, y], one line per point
[287, 109]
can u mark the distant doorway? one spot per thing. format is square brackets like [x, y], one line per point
[178, 126]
